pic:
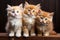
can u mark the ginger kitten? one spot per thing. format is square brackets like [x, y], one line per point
[44, 23]
[29, 16]
[14, 24]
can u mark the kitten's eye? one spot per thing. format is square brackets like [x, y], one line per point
[41, 17]
[33, 10]
[12, 11]
[28, 10]
[17, 11]
[45, 18]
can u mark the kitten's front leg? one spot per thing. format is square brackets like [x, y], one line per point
[18, 32]
[39, 31]
[11, 30]
[46, 34]
[11, 34]
[7, 26]
[25, 31]
[32, 33]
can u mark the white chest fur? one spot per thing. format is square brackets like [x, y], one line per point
[29, 20]
[16, 22]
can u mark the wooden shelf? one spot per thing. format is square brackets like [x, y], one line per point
[4, 36]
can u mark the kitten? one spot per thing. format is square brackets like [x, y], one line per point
[44, 23]
[14, 24]
[30, 12]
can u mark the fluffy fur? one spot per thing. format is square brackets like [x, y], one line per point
[14, 24]
[44, 23]
[29, 16]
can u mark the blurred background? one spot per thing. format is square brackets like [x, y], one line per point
[47, 5]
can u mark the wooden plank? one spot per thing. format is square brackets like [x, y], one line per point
[4, 36]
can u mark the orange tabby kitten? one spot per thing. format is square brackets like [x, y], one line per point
[30, 12]
[14, 23]
[44, 23]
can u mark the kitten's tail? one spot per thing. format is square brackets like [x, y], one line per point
[53, 33]
[7, 27]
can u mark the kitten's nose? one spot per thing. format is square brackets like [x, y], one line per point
[15, 14]
[30, 13]
[42, 21]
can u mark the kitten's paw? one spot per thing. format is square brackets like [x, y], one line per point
[46, 34]
[26, 35]
[33, 34]
[18, 35]
[39, 34]
[11, 34]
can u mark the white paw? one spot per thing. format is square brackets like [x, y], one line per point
[18, 35]
[26, 35]
[47, 34]
[11, 34]
[33, 34]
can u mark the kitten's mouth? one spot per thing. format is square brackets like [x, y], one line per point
[12, 15]
[43, 24]
[29, 15]
[16, 16]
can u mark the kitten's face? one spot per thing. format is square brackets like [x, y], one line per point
[15, 11]
[31, 9]
[45, 18]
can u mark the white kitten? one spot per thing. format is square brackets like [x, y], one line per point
[14, 23]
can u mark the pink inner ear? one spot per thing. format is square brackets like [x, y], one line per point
[38, 12]
[51, 14]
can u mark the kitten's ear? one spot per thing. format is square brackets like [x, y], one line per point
[8, 6]
[38, 6]
[21, 5]
[52, 13]
[26, 3]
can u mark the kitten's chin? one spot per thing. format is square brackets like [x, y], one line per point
[33, 17]
[18, 17]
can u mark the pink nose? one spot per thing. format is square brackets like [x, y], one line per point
[15, 14]
[30, 13]
[42, 21]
